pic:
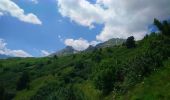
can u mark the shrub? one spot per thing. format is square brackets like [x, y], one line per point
[23, 81]
[130, 42]
[2, 92]
[104, 81]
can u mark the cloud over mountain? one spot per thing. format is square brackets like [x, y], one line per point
[79, 44]
[45, 53]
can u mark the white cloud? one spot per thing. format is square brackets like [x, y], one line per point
[1, 14]
[2, 44]
[79, 44]
[121, 18]
[45, 53]
[94, 43]
[60, 38]
[16, 53]
[81, 11]
[34, 1]
[9, 7]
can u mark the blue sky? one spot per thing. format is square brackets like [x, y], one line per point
[34, 38]
[54, 24]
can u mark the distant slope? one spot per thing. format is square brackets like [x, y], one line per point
[66, 51]
[111, 42]
[70, 50]
[4, 56]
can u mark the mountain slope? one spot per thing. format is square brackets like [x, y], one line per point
[111, 42]
[66, 51]
[3, 56]
[70, 50]
[95, 75]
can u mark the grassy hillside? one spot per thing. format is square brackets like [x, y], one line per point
[154, 87]
[125, 71]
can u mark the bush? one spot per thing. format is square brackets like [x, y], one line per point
[55, 57]
[163, 27]
[79, 65]
[130, 42]
[2, 92]
[104, 81]
[23, 81]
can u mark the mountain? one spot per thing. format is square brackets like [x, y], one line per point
[66, 51]
[70, 50]
[111, 42]
[4, 56]
[90, 48]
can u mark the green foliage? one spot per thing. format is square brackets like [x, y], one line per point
[104, 81]
[158, 24]
[2, 92]
[79, 65]
[96, 56]
[23, 81]
[163, 27]
[130, 42]
[55, 57]
[154, 87]
[4, 95]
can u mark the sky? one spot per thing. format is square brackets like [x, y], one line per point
[39, 27]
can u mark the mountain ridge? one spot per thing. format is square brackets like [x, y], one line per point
[66, 51]
[2, 56]
[70, 50]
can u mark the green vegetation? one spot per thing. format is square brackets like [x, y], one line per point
[133, 71]
[154, 87]
[23, 81]
[130, 42]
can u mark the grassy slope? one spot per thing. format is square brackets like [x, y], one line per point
[154, 87]
[41, 72]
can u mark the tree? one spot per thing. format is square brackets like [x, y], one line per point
[49, 62]
[55, 57]
[158, 24]
[130, 42]
[2, 92]
[1, 68]
[164, 27]
[79, 64]
[97, 58]
[104, 81]
[23, 81]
